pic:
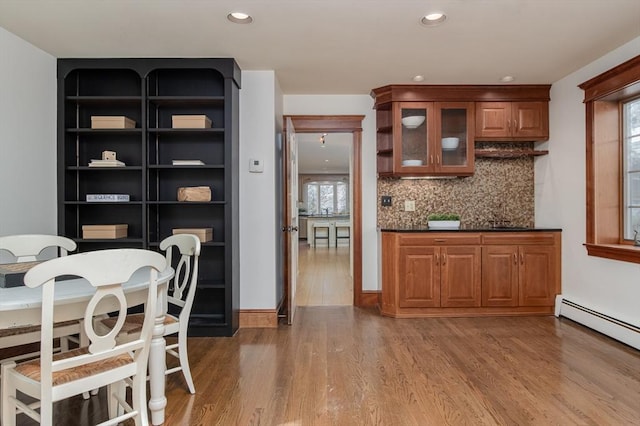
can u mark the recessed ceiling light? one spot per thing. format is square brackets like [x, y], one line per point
[239, 18]
[432, 19]
[507, 79]
[418, 78]
[326, 161]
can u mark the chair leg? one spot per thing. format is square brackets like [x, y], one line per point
[184, 361]
[139, 400]
[8, 407]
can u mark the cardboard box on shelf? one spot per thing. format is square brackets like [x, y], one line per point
[204, 234]
[112, 122]
[190, 122]
[119, 230]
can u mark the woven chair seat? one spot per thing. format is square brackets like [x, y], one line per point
[31, 369]
[133, 323]
[31, 329]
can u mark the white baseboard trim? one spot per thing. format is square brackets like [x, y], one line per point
[599, 321]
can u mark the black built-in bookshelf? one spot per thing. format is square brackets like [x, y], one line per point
[150, 91]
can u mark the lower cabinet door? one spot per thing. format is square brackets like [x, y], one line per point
[537, 274]
[500, 275]
[460, 277]
[419, 274]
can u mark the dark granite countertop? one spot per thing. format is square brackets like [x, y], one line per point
[487, 229]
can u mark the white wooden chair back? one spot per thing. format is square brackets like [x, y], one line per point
[27, 247]
[182, 289]
[106, 270]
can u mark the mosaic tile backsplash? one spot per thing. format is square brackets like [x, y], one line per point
[500, 189]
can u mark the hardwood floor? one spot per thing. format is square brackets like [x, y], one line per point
[324, 277]
[350, 366]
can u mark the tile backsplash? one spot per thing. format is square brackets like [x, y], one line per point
[500, 189]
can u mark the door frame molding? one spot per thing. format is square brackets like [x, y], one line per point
[330, 124]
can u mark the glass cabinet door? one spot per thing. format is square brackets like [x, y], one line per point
[413, 136]
[454, 144]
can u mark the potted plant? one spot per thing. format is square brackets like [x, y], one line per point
[444, 221]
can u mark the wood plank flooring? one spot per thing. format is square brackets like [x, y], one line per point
[350, 366]
[324, 277]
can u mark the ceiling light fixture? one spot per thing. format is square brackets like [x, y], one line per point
[239, 18]
[322, 139]
[418, 78]
[433, 19]
[507, 79]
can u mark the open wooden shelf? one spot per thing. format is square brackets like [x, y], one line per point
[512, 153]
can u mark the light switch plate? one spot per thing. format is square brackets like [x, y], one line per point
[385, 200]
[256, 166]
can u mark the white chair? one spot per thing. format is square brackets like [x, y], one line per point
[180, 298]
[104, 362]
[26, 248]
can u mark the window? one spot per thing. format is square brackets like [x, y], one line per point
[327, 197]
[631, 141]
[612, 102]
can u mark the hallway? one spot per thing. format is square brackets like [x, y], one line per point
[323, 276]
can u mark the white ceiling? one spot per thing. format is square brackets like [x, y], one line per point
[340, 46]
[330, 158]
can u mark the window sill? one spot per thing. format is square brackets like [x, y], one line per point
[622, 252]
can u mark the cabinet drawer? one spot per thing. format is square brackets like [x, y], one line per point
[438, 239]
[518, 238]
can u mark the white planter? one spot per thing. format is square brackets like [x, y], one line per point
[444, 224]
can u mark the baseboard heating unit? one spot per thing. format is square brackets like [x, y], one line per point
[605, 324]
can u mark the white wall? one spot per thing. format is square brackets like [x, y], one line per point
[608, 286]
[257, 190]
[352, 105]
[27, 138]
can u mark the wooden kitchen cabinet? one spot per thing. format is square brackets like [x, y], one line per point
[520, 269]
[410, 139]
[439, 276]
[434, 271]
[469, 274]
[437, 115]
[512, 121]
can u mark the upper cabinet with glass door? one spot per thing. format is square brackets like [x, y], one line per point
[429, 130]
[433, 138]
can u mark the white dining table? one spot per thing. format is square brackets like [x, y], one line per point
[21, 306]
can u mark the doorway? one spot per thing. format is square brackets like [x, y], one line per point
[325, 270]
[323, 124]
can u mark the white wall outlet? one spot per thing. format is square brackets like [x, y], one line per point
[409, 206]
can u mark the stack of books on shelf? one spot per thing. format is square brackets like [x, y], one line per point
[187, 162]
[106, 163]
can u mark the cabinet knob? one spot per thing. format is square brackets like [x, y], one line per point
[521, 259]
[515, 259]
[444, 258]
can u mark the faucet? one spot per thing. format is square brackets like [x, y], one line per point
[326, 212]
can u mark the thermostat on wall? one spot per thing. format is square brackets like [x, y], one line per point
[255, 166]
